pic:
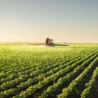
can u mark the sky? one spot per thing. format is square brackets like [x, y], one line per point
[61, 20]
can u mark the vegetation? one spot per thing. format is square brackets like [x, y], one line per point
[64, 71]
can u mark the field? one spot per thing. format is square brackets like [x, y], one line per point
[36, 71]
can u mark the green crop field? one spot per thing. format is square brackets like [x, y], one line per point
[36, 71]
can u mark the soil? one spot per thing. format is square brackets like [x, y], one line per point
[75, 94]
[94, 89]
[80, 87]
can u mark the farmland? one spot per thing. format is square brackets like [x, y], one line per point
[30, 71]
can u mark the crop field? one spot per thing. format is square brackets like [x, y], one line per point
[28, 71]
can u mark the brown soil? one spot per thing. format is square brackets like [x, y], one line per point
[80, 87]
[94, 90]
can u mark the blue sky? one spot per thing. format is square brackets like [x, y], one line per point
[61, 20]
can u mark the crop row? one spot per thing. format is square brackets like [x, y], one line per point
[87, 91]
[64, 79]
[46, 81]
[20, 78]
[72, 86]
[29, 82]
